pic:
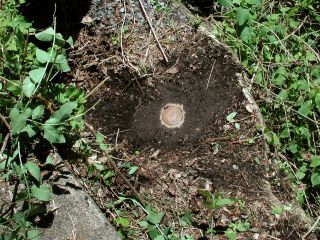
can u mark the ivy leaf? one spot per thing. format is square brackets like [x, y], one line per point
[70, 42]
[37, 74]
[305, 108]
[143, 224]
[18, 121]
[34, 170]
[246, 34]
[38, 112]
[242, 16]
[153, 232]
[46, 35]
[33, 234]
[42, 193]
[43, 56]
[28, 87]
[315, 161]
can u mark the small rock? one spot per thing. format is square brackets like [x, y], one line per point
[235, 167]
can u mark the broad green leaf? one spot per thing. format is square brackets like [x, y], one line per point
[14, 87]
[38, 112]
[225, 3]
[124, 222]
[33, 234]
[65, 111]
[315, 179]
[30, 130]
[34, 170]
[62, 63]
[246, 34]
[143, 224]
[99, 137]
[231, 116]
[42, 193]
[305, 108]
[300, 175]
[49, 160]
[253, 2]
[43, 56]
[18, 121]
[223, 202]
[277, 210]
[28, 87]
[315, 161]
[46, 35]
[153, 232]
[231, 235]
[154, 218]
[37, 75]
[242, 16]
[52, 132]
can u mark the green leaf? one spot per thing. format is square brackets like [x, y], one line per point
[231, 235]
[70, 42]
[242, 16]
[154, 218]
[33, 234]
[43, 56]
[223, 202]
[18, 121]
[37, 75]
[133, 169]
[124, 222]
[225, 3]
[143, 224]
[317, 100]
[246, 34]
[300, 175]
[315, 161]
[305, 108]
[51, 131]
[34, 170]
[277, 210]
[38, 112]
[315, 179]
[46, 35]
[153, 232]
[49, 160]
[99, 137]
[28, 87]
[65, 111]
[159, 237]
[42, 193]
[30, 130]
[231, 116]
[62, 63]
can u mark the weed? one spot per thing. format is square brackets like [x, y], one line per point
[278, 46]
[34, 108]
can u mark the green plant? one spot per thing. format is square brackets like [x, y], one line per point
[34, 108]
[278, 46]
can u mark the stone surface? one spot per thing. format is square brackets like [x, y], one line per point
[77, 216]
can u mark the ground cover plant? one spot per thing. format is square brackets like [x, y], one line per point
[278, 44]
[35, 109]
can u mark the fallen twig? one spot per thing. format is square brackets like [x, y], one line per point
[115, 167]
[153, 32]
[311, 229]
[4, 120]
